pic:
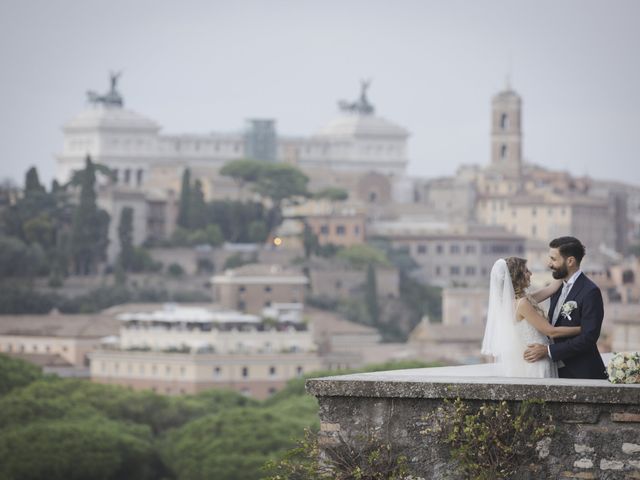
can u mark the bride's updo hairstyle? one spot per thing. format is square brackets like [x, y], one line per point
[517, 270]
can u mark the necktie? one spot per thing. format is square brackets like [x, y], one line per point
[563, 297]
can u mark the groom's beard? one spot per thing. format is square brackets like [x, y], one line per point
[560, 273]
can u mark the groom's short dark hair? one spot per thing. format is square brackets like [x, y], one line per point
[569, 247]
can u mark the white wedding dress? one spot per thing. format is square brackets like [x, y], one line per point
[505, 337]
[542, 368]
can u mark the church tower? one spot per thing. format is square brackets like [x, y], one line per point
[506, 133]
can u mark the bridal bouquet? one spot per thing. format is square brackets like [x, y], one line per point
[624, 367]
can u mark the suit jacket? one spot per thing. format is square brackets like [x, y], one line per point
[580, 354]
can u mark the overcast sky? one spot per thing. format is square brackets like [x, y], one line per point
[202, 66]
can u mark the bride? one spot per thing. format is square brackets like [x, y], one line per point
[514, 320]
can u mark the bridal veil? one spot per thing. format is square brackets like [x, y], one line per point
[501, 338]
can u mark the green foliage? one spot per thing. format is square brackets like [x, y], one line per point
[279, 181]
[257, 231]
[185, 200]
[310, 241]
[125, 235]
[359, 256]
[21, 299]
[209, 235]
[366, 458]
[332, 193]
[175, 270]
[235, 218]
[238, 260]
[16, 373]
[421, 299]
[94, 448]
[243, 170]
[95, 300]
[493, 441]
[230, 445]
[197, 214]
[371, 295]
[17, 259]
[90, 226]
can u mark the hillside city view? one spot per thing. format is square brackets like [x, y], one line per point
[165, 296]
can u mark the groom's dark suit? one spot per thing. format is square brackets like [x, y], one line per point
[580, 354]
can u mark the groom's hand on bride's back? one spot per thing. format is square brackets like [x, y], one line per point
[535, 352]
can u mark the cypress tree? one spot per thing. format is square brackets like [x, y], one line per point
[185, 200]
[87, 225]
[371, 295]
[125, 235]
[197, 208]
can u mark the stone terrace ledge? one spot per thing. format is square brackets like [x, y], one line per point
[598, 423]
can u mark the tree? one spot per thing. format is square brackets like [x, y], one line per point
[243, 171]
[371, 295]
[197, 212]
[16, 373]
[90, 226]
[332, 193]
[309, 241]
[185, 200]
[32, 183]
[280, 181]
[125, 235]
[359, 256]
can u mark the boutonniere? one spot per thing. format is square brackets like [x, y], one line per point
[567, 308]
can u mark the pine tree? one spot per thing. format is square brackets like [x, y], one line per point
[185, 200]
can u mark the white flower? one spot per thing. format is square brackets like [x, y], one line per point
[624, 367]
[568, 307]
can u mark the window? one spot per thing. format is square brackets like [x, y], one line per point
[455, 248]
[139, 177]
[356, 229]
[422, 249]
[437, 271]
[245, 372]
[470, 249]
[373, 196]
[439, 249]
[267, 289]
[299, 371]
[534, 230]
[242, 288]
[504, 121]
[127, 176]
[503, 152]
[324, 229]
[340, 230]
[534, 211]
[454, 270]
[217, 371]
[272, 371]
[470, 271]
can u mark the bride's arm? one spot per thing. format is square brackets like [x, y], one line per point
[545, 292]
[531, 315]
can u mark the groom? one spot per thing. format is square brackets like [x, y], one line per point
[578, 303]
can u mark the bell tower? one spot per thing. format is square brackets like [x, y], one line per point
[506, 133]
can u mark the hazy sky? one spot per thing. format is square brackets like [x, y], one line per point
[202, 66]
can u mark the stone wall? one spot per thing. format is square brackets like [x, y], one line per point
[597, 423]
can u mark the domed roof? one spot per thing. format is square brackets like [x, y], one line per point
[359, 125]
[108, 116]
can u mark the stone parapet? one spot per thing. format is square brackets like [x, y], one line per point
[597, 423]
